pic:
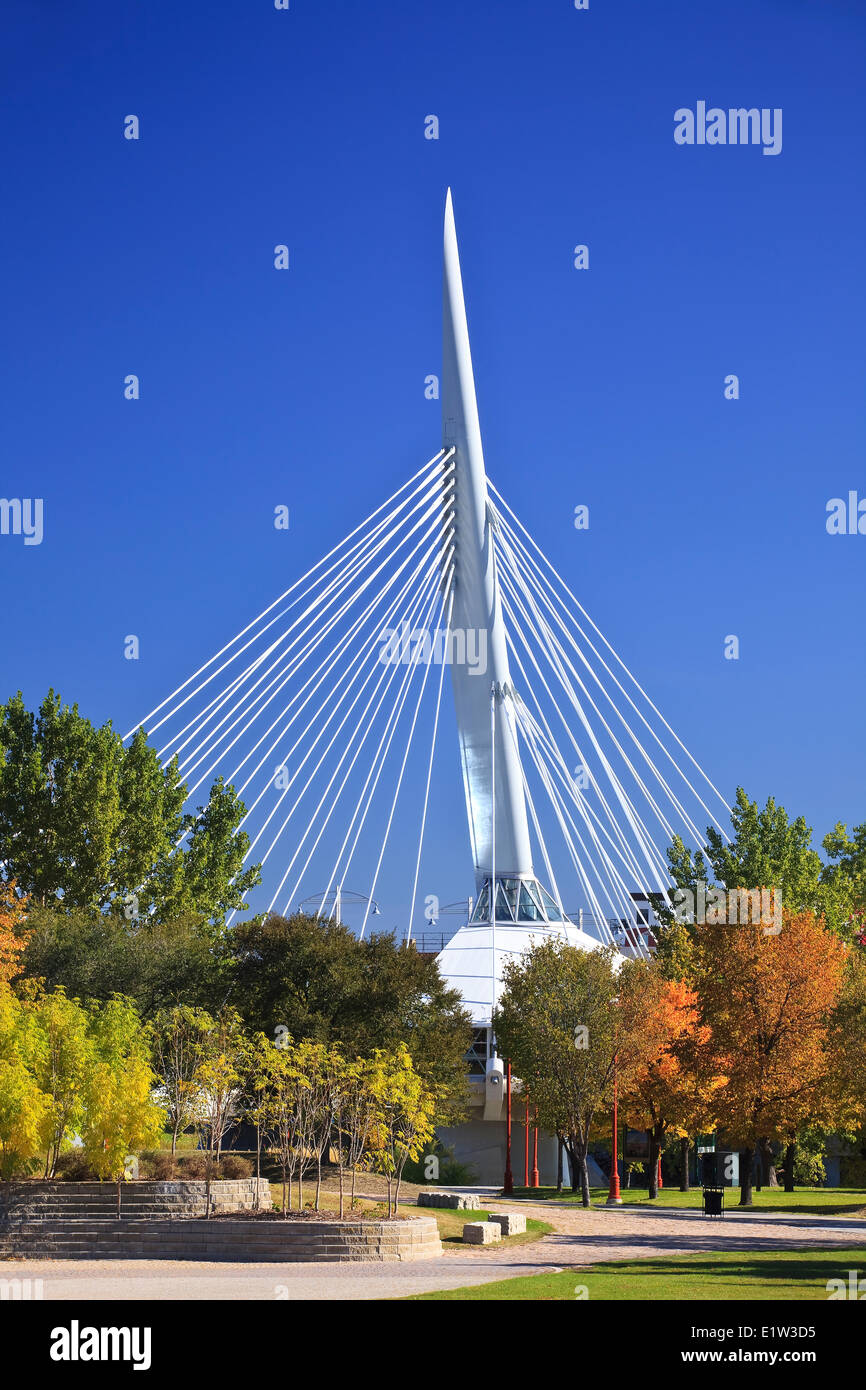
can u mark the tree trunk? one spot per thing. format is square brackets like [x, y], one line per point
[768, 1164]
[790, 1155]
[207, 1182]
[584, 1179]
[573, 1161]
[747, 1158]
[685, 1145]
[559, 1147]
[258, 1163]
[653, 1175]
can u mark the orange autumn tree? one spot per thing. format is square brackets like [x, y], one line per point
[673, 1086]
[769, 999]
[13, 910]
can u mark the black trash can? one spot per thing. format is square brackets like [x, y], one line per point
[714, 1201]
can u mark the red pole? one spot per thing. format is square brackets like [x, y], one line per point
[535, 1150]
[526, 1144]
[508, 1184]
[660, 1184]
[613, 1196]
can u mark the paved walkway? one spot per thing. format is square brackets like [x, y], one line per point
[580, 1238]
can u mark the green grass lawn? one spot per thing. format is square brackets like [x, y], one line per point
[450, 1222]
[818, 1201]
[790, 1275]
[451, 1225]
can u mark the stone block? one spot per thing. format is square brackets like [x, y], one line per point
[481, 1233]
[454, 1201]
[510, 1223]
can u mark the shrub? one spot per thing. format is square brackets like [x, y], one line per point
[852, 1170]
[73, 1167]
[192, 1166]
[452, 1173]
[158, 1165]
[233, 1166]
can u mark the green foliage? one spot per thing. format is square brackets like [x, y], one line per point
[178, 1036]
[316, 980]
[809, 1169]
[450, 1171]
[556, 1021]
[157, 963]
[767, 849]
[844, 877]
[88, 823]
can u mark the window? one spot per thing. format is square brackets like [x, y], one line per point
[477, 1054]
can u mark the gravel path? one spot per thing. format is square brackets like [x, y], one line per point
[581, 1237]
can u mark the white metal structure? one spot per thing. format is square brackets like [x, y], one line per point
[312, 713]
[477, 606]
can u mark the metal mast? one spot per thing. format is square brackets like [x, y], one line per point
[477, 610]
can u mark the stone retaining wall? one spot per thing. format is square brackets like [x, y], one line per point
[94, 1201]
[263, 1241]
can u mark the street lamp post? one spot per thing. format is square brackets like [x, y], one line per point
[508, 1184]
[535, 1150]
[338, 897]
[613, 1197]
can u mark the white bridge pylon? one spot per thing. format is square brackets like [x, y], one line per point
[313, 712]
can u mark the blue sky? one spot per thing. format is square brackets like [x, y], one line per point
[306, 388]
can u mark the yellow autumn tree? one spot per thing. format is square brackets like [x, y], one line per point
[403, 1115]
[120, 1113]
[23, 1105]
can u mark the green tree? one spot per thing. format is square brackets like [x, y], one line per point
[86, 822]
[767, 849]
[557, 1023]
[316, 980]
[844, 877]
[158, 964]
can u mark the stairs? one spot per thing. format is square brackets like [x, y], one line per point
[28, 1203]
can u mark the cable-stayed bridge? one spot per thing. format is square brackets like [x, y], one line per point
[574, 781]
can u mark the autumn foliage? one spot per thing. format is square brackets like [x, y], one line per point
[13, 910]
[769, 1000]
[674, 1087]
